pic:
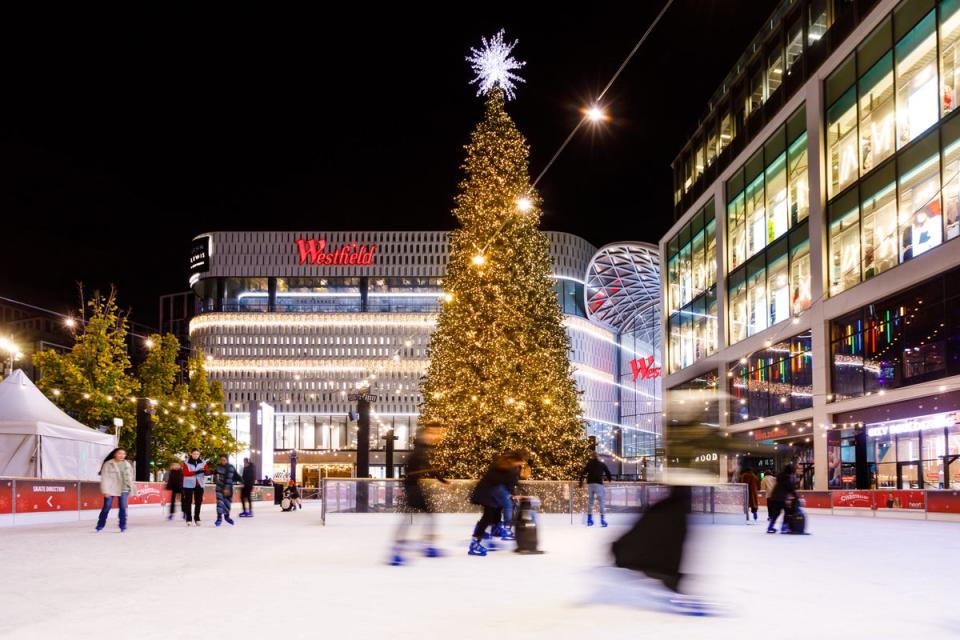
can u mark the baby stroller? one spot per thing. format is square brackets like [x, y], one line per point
[291, 499]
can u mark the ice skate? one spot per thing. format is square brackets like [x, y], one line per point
[229, 520]
[603, 521]
[218, 521]
[477, 549]
[508, 534]
[589, 520]
[432, 552]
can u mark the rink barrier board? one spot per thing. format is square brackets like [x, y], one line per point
[902, 503]
[32, 501]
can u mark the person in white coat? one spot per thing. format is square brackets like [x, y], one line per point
[117, 480]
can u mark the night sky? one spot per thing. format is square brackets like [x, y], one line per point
[123, 136]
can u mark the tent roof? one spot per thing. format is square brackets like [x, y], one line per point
[24, 409]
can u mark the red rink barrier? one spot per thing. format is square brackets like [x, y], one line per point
[40, 496]
[943, 502]
[6, 497]
[853, 499]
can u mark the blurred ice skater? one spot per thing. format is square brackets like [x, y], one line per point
[784, 491]
[175, 486]
[420, 467]
[753, 487]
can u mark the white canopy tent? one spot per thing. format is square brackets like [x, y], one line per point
[38, 440]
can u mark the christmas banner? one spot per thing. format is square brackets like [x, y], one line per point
[815, 499]
[853, 499]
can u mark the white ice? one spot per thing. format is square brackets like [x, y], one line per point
[284, 575]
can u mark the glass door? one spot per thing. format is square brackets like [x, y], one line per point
[908, 475]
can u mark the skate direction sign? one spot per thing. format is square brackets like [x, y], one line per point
[356, 397]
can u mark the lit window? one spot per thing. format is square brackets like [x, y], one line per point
[756, 297]
[877, 122]
[917, 91]
[776, 204]
[755, 219]
[800, 297]
[879, 213]
[778, 287]
[842, 147]
[774, 72]
[951, 188]
[844, 246]
[919, 220]
[736, 225]
[799, 185]
[950, 56]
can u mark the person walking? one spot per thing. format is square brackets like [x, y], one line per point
[225, 476]
[767, 484]
[786, 489]
[749, 478]
[195, 472]
[246, 493]
[595, 472]
[419, 468]
[116, 481]
[175, 486]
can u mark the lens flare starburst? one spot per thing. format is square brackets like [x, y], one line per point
[494, 66]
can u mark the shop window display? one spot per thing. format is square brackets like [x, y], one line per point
[844, 247]
[949, 54]
[842, 144]
[921, 227]
[877, 120]
[916, 72]
[879, 216]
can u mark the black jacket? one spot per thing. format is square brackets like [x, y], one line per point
[249, 475]
[175, 480]
[785, 488]
[496, 475]
[595, 471]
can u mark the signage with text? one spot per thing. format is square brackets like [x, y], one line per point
[643, 369]
[317, 252]
[200, 255]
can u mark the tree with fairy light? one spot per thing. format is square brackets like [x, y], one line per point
[499, 376]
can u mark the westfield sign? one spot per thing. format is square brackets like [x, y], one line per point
[317, 252]
[643, 369]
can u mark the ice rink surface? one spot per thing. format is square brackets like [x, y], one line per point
[283, 575]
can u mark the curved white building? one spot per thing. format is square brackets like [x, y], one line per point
[291, 322]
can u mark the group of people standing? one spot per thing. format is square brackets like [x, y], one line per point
[186, 480]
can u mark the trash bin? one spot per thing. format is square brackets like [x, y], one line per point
[277, 493]
[526, 523]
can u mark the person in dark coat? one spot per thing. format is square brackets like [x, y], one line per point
[226, 476]
[175, 486]
[487, 494]
[420, 467]
[753, 488]
[292, 494]
[786, 489]
[246, 493]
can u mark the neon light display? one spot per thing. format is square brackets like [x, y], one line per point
[315, 252]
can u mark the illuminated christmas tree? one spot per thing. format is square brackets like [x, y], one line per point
[499, 375]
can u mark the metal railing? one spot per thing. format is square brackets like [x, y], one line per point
[359, 495]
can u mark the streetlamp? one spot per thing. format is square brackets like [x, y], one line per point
[13, 354]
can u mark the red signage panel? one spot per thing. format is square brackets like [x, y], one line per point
[855, 499]
[644, 369]
[943, 501]
[37, 496]
[815, 499]
[900, 500]
[6, 496]
[317, 252]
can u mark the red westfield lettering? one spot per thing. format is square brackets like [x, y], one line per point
[315, 252]
[643, 368]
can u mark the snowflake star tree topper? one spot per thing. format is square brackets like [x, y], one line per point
[494, 66]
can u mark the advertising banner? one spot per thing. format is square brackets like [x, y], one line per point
[37, 496]
[886, 499]
[854, 499]
[6, 496]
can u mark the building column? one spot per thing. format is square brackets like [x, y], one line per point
[818, 278]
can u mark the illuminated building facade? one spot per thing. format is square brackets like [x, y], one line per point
[810, 270]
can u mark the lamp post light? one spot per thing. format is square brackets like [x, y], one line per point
[13, 354]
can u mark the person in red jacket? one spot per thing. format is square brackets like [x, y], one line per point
[195, 472]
